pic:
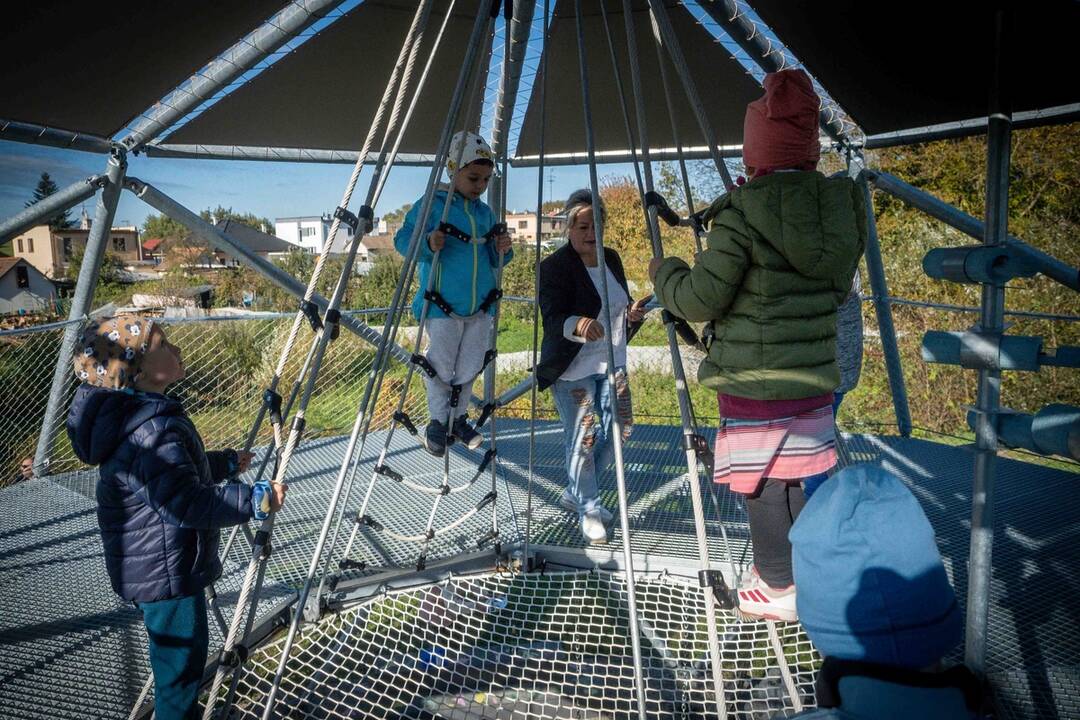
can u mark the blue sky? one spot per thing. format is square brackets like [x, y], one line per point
[286, 189]
[267, 189]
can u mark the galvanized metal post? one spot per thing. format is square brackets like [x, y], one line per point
[665, 35]
[992, 323]
[80, 303]
[764, 52]
[516, 32]
[213, 235]
[1049, 266]
[616, 437]
[56, 203]
[883, 309]
[222, 70]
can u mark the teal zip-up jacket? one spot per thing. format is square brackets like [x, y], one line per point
[466, 271]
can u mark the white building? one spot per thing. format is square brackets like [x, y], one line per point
[312, 233]
[522, 228]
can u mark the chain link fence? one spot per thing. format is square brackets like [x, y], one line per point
[230, 362]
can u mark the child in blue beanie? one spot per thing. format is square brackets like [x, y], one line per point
[160, 495]
[876, 602]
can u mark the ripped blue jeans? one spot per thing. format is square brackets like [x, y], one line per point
[585, 412]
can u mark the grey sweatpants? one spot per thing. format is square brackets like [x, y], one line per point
[456, 348]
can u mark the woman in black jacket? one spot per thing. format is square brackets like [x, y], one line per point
[574, 359]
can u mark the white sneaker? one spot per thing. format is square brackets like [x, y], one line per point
[570, 504]
[592, 526]
[758, 600]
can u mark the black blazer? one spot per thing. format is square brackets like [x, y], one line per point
[565, 290]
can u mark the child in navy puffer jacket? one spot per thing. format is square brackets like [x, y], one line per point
[464, 278]
[160, 504]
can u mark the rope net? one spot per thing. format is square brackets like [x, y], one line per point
[551, 645]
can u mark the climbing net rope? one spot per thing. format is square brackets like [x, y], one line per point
[530, 646]
[554, 644]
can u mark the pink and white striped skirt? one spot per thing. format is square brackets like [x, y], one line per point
[791, 448]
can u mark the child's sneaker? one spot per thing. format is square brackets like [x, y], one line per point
[759, 601]
[592, 527]
[435, 438]
[465, 433]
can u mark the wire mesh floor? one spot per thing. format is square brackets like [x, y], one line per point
[71, 649]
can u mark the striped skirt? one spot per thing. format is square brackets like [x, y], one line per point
[790, 448]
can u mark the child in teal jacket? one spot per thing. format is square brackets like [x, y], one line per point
[465, 261]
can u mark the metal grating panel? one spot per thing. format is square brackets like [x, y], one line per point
[72, 650]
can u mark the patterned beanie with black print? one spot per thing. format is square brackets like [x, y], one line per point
[110, 351]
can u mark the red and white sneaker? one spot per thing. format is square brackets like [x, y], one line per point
[759, 601]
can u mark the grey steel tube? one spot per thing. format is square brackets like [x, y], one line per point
[164, 204]
[52, 205]
[53, 137]
[360, 424]
[222, 70]
[1049, 266]
[518, 30]
[991, 321]
[666, 35]
[80, 303]
[880, 289]
[761, 50]
[682, 390]
[616, 421]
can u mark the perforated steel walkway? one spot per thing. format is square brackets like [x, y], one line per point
[70, 649]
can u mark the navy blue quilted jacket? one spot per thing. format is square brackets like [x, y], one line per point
[160, 508]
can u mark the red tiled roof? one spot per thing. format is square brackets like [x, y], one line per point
[152, 244]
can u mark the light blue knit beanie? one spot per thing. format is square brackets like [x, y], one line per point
[870, 581]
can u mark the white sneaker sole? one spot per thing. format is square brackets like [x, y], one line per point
[572, 507]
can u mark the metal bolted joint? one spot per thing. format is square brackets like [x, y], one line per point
[311, 312]
[714, 580]
[235, 657]
[406, 422]
[347, 218]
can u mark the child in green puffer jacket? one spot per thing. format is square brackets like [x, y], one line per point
[781, 254]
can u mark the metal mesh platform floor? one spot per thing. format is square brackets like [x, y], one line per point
[71, 649]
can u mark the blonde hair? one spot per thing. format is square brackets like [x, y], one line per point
[578, 201]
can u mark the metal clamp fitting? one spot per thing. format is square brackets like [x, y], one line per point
[311, 312]
[347, 218]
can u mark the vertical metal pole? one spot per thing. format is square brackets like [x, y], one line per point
[80, 303]
[682, 390]
[355, 437]
[992, 323]
[616, 421]
[883, 310]
[536, 281]
[665, 35]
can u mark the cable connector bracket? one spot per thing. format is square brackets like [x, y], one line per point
[347, 218]
[311, 312]
[721, 592]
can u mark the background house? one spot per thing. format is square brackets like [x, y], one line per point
[374, 246]
[522, 227]
[51, 251]
[23, 288]
[194, 252]
[312, 233]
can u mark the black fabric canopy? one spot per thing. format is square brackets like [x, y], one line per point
[324, 94]
[92, 67]
[895, 66]
[723, 84]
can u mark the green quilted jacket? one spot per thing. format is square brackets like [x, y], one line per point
[782, 251]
